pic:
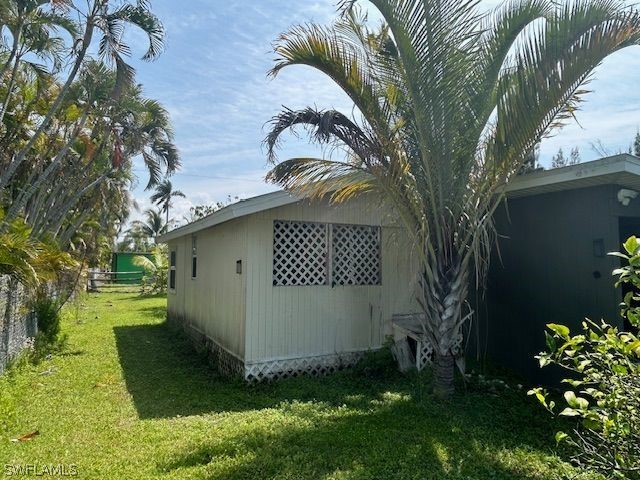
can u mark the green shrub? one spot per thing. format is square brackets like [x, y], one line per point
[604, 375]
[48, 338]
[156, 269]
[376, 364]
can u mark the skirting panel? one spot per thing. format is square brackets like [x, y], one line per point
[232, 366]
[227, 364]
[318, 365]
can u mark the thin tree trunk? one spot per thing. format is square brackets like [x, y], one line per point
[62, 211]
[22, 200]
[20, 156]
[11, 85]
[65, 238]
[14, 52]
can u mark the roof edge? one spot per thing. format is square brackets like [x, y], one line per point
[527, 184]
[235, 210]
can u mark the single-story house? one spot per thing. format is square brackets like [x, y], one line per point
[277, 285]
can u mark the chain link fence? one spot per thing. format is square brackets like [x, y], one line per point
[17, 325]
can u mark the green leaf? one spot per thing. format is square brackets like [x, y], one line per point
[570, 397]
[631, 245]
[570, 412]
[576, 402]
[560, 330]
[561, 436]
[620, 369]
[551, 342]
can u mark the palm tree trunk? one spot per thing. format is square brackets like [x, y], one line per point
[444, 375]
[14, 51]
[62, 211]
[11, 85]
[22, 200]
[21, 155]
[443, 298]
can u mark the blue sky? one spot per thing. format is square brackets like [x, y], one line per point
[212, 79]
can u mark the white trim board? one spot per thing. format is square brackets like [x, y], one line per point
[623, 170]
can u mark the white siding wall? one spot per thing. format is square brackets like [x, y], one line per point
[292, 321]
[214, 302]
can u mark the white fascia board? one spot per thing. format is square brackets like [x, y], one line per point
[602, 171]
[564, 177]
[236, 210]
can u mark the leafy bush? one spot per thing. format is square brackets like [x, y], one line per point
[29, 260]
[604, 366]
[48, 338]
[376, 364]
[155, 269]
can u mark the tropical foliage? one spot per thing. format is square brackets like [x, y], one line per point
[155, 270]
[72, 119]
[28, 260]
[603, 364]
[449, 101]
[163, 196]
[143, 233]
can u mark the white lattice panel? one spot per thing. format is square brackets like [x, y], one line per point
[299, 253]
[424, 354]
[356, 255]
[319, 365]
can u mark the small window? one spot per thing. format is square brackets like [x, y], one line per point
[194, 256]
[300, 253]
[172, 270]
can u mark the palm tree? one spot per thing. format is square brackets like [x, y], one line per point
[450, 102]
[152, 227]
[163, 195]
[109, 20]
[32, 28]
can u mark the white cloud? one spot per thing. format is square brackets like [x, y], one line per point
[213, 81]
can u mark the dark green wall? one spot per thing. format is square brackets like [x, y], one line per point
[123, 262]
[547, 272]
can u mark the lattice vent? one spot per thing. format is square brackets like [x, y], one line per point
[356, 255]
[319, 365]
[424, 354]
[299, 253]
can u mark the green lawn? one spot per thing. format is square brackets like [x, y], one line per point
[129, 399]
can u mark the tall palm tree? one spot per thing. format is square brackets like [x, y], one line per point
[152, 226]
[109, 20]
[163, 195]
[450, 102]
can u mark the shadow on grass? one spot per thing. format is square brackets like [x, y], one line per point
[146, 296]
[341, 425]
[167, 378]
[392, 438]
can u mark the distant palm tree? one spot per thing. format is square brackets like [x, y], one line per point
[163, 195]
[449, 102]
[152, 227]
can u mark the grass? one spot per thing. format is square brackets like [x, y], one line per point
[129, 399]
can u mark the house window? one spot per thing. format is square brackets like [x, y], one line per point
[355, 255]
[194, 256]
[300, 253]
[172, 270]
